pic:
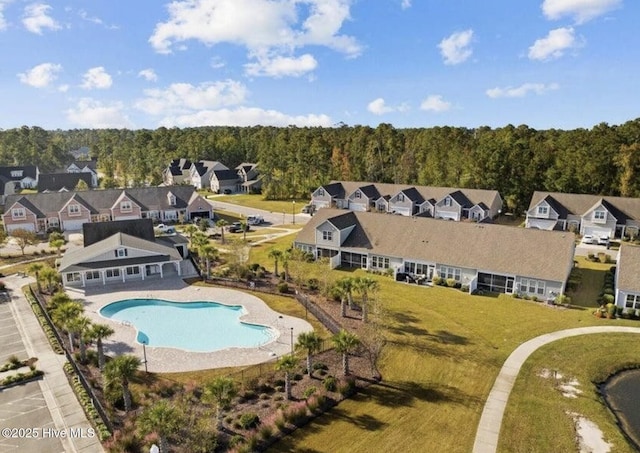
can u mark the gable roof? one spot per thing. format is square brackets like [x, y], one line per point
[541, 254]
[622, 208]
[226, 175]
[92, 164]
[149, 198]
[461, 199]
[413, 195]
[93, 232]
[28, 171]
[78, 259]
[628, 268]
[54, 182]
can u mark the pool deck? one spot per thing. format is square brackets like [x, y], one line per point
[165, 360]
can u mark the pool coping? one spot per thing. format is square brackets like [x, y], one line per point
[166, 360]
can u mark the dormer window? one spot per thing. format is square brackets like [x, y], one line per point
[172, 199]
[16, 173]
[447, 201]
[125, 206]
[74, 209]
[599, 215]
[543, 210]
[321, 192]
[358, 194]
[18, 213]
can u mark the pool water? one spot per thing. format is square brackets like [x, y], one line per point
[191, 326]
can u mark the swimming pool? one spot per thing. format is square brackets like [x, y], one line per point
[191, 326]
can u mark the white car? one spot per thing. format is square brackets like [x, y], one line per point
[603, 240]
[255, 219]
[589, 239]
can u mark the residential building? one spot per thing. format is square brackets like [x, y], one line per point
[249, 178]
[85, 166]
[23, 177]
[481, 256]
[224, 181]
[627, 290]
[594, 215]
[7, 187]
[177, 172]
[200, 172]
[436, 202]
[70, 210]
[63, 182]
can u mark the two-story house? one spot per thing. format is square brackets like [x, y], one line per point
[201, 171]
[476, 255]
[23, 177]
[70, 210]
[627, 281]
[584, 214]
[249, 178]
[63, 182]
[177, 172]
[89, 167]
[224, 181]
[437, 202]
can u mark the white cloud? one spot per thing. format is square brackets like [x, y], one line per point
[456, 48]
[379, 107]
[280, 66]
[522, 90]
[93, 114]
[36, 18]
[184, 97]
[435, 103]
[581, 10]
[40, 76]
[553, 45]
[96, 20]
[3, 22]
[96, 78]
[264, 27]
[405, 4]
[148, 74]
[245, 116]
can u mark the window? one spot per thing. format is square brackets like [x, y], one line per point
[450, 272]
[447, 201]
[113, 273]
[16, 173]
[633, 301]
[54, 222]
[321, 192]
[121, 253]
[379, 262]
[133, 270]
[599, 215]
[92, 275]
[532, 286]
[172, 199]
[543, 210]
[74, 277]
[74, 209]
[125, 206]
[18, 213]
[327, 235]
[358, 194]
[401, 197]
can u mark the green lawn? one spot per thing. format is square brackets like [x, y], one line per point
[445, 349]
[589, 277]
[258, 202]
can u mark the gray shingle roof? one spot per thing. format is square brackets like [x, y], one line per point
[623, 208]
[53, 182]
[28, 171]
[628, 268]
[495, 248]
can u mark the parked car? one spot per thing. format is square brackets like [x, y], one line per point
[308, 209]
[255, 220]
[236, 227]
[603, 240]
[589, 239]
[162, 228]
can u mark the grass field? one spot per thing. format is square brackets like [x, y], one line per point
[590, 276]
[444, 351]
[258, 202]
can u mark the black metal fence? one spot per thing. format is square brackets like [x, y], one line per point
[89, 389]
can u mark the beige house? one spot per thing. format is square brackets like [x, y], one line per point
[478, 256]
[627, 282]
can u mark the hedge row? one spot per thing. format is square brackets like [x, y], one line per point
[51, 336]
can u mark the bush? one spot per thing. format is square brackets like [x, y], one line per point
[313, 284]
[347, 387]
[309, 391]
[283, 287]
[330, 384]
[249, 420]
[464, 288]
[265, 432]
[436, 280]
[608, 298]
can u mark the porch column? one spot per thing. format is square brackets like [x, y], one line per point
[161, 273]
[123, 271]
[82, 276]
[177, 264]
[104, 277]
[142, 271]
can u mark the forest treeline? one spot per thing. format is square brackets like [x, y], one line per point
[513, 160]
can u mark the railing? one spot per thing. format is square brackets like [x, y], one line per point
[94, 400]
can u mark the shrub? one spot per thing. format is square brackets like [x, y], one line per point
[436, 280]
[534, 298]
[451, 282]
[320, 366]
[296, 414]
[313, 284]
[236, 440]
[265, 432]
[347, 386]
[249, 420]
[608, 298]
[611, 310]
[280, 422]
[591, 257]
[283, 287]
[309, 391]
[330, 384]
[515, 296]
[464, 288]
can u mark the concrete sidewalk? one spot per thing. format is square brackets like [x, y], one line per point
[66, 412]
[491, 420]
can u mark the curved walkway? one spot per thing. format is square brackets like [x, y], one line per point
[491, 419]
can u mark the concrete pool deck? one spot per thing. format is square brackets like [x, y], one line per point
[165, 360]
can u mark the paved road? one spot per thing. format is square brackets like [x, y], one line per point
[491, 420]
[273, 218]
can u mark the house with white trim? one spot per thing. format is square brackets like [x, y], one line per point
[480, 256]
[627, 292]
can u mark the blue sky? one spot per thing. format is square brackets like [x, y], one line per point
[411, 63]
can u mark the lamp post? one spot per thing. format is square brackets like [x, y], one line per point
[292, 341]
[294, 212]
[144, 354]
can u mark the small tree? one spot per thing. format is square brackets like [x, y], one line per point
[208, 253]
[221, 224]
[310, 343]
[220, 391]
[35, 268]
[81, 327]
[119, 371]
[99, 332]
[276, 255]
[51, 277]
[63, 316]
[161, 418]
[345, 343]
[24, 238]
[365, 286]
[287, 363]
[82, 185]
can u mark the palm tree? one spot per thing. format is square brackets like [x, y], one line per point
[277, 256]
[35, 268]
[51, 278]
[345, 343]
[119, 371]
[285, 258]
[287, 363]
[57, 244]
[57, 299]
[190, 229]
[220, 391]
[345, 289]
[80, 326]
[310, 342]
[365, 286]
[63, 316]
[209, 253]
[99, 332]
[221, 224]
[162, 418]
